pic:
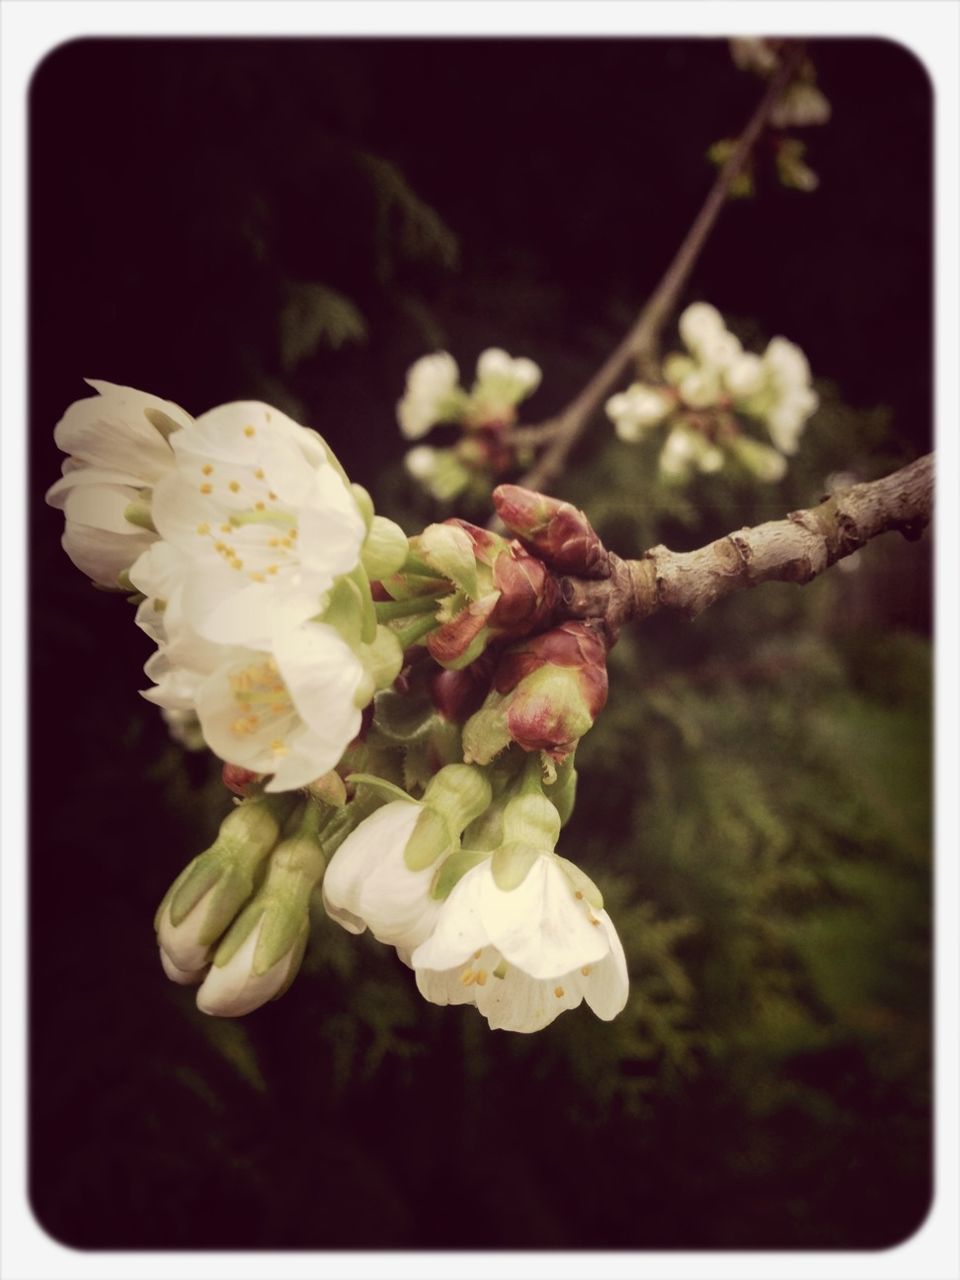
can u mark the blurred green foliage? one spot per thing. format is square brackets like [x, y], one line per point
[754, 804]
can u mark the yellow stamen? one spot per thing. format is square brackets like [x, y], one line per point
[481, 977]
[468, 978]
[279, 748]
[257, 577]
[234, 486]
[259, 473]
[249, 431]
[207, 469]
[206, 488]
[585, 971]
[260, 506]
[203, 528]
[558, 992]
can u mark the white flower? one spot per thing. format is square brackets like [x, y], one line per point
[637, 409]
[118, 446]
[431, 394]
[290, 712]
[522, 955]
[235, 988]
[744, 376]
[502, 382]
[421, 462]
[790, 398]
[368, 884]
[265, 520]
[686, 450]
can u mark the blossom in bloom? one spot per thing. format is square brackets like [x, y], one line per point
[264, 517]
[686, 451]
[368, 884]
[502, 382]
[119, 446]
[439, 471]
[290, 712]
[432, 394]
[634, 411]
[791, 398]
[381, 876]
[522, 955]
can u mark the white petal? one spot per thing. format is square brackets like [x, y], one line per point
[541, 926]
[233, 989]
[607, 986]
[102, 507]
[517, 1002]
[444, 987]
[103, 556]
[322, 673]
[184, 977]
[459, 929]
[111, 430]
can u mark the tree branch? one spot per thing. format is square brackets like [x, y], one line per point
[796, 549]
[641, 340]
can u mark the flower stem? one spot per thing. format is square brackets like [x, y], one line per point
[388, 610]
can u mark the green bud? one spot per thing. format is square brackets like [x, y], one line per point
[384, 550]
[448, 549]
[563, 792]
[486, 734]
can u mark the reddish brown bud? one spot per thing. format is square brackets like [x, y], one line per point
[556, 531]
[528, 590]
[458, 694]
[461, 640]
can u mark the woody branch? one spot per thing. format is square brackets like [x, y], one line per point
[796, 549]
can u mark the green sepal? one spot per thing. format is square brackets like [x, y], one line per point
[453, 869]
[512, 861]
[581, 882]
[381, 785]
[385, 548]
[486, 734]
[562, 794]
[485, 832]
[138, 513]
[344, 610]
[368, 615]
[531, 819]
[460, 792]
[430, 839]
[409, 586]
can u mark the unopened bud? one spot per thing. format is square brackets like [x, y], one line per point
[385, 548]
[453, 798]
[556, 531]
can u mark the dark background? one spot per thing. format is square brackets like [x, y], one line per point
[184, 198]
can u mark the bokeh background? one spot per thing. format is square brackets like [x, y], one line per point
[298, 221]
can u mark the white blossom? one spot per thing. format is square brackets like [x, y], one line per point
[791, 399]
[368, 884]
[264, 518]
[687, 450]
[636, 410]
[502, 382]
[290, 712]
[118, 442]
[801, 104]
[522, 955]
[431, 394]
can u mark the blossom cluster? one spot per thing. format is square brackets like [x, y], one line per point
[710, 394]
[398, 718]
[434, 395]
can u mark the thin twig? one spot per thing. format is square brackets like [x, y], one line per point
[796, 549]
[564, 430]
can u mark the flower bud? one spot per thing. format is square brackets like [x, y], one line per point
[555, 531]
[384, 549]
[454, 797]
[210, 891]
[547, 693]
[261, 953]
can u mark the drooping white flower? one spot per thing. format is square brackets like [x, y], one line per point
[291, 711]
[801, 104]
[263, 516]
[118, 442]
[369, 885]
[525, 954]
[432, 394]
[236, 988]
[636, 410]
[754, 54]
[707, 337]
